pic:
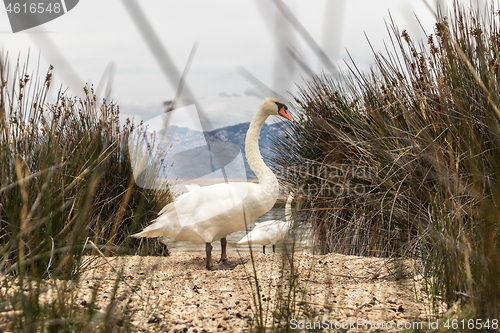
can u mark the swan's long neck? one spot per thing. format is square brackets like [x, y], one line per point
[267, 179]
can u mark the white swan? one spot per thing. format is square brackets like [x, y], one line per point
[272, 231]
[209, 213]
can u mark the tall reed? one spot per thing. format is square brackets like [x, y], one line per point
[66, 182]
[404, 161]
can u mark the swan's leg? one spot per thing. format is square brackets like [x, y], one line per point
[223, 256]
[274, 248]
[264, 249]
[224, 263]
[208, 249]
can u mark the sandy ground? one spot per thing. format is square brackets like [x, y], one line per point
[177, 293]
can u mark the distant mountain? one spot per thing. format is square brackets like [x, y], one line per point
[187, 148]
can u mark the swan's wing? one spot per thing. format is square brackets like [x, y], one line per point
[274, 230]
[192, 187]
[265, 224]
[205, 213]
[277, 232]
[264, 233]
[169, 207]
[166, 209]
[256, 236]
[204, 203]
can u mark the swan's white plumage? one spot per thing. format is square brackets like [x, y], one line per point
[194, 214]
[209, 213]
[273, 231]
[266, 233]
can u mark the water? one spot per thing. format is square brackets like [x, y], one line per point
[277, 213]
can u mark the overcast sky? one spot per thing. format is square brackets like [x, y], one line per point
[231, 35]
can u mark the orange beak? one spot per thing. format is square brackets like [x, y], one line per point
[284, 113]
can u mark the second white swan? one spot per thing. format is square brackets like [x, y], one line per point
[272, 231]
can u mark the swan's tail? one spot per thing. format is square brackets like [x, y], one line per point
[154, 230]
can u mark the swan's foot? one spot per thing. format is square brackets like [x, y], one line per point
[263, 249]
[227, 265]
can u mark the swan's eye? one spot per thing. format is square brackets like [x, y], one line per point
[281, 106]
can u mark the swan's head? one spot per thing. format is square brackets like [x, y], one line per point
[275, 106]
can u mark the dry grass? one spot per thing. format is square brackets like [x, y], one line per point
[66, 180]
[403, 161]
